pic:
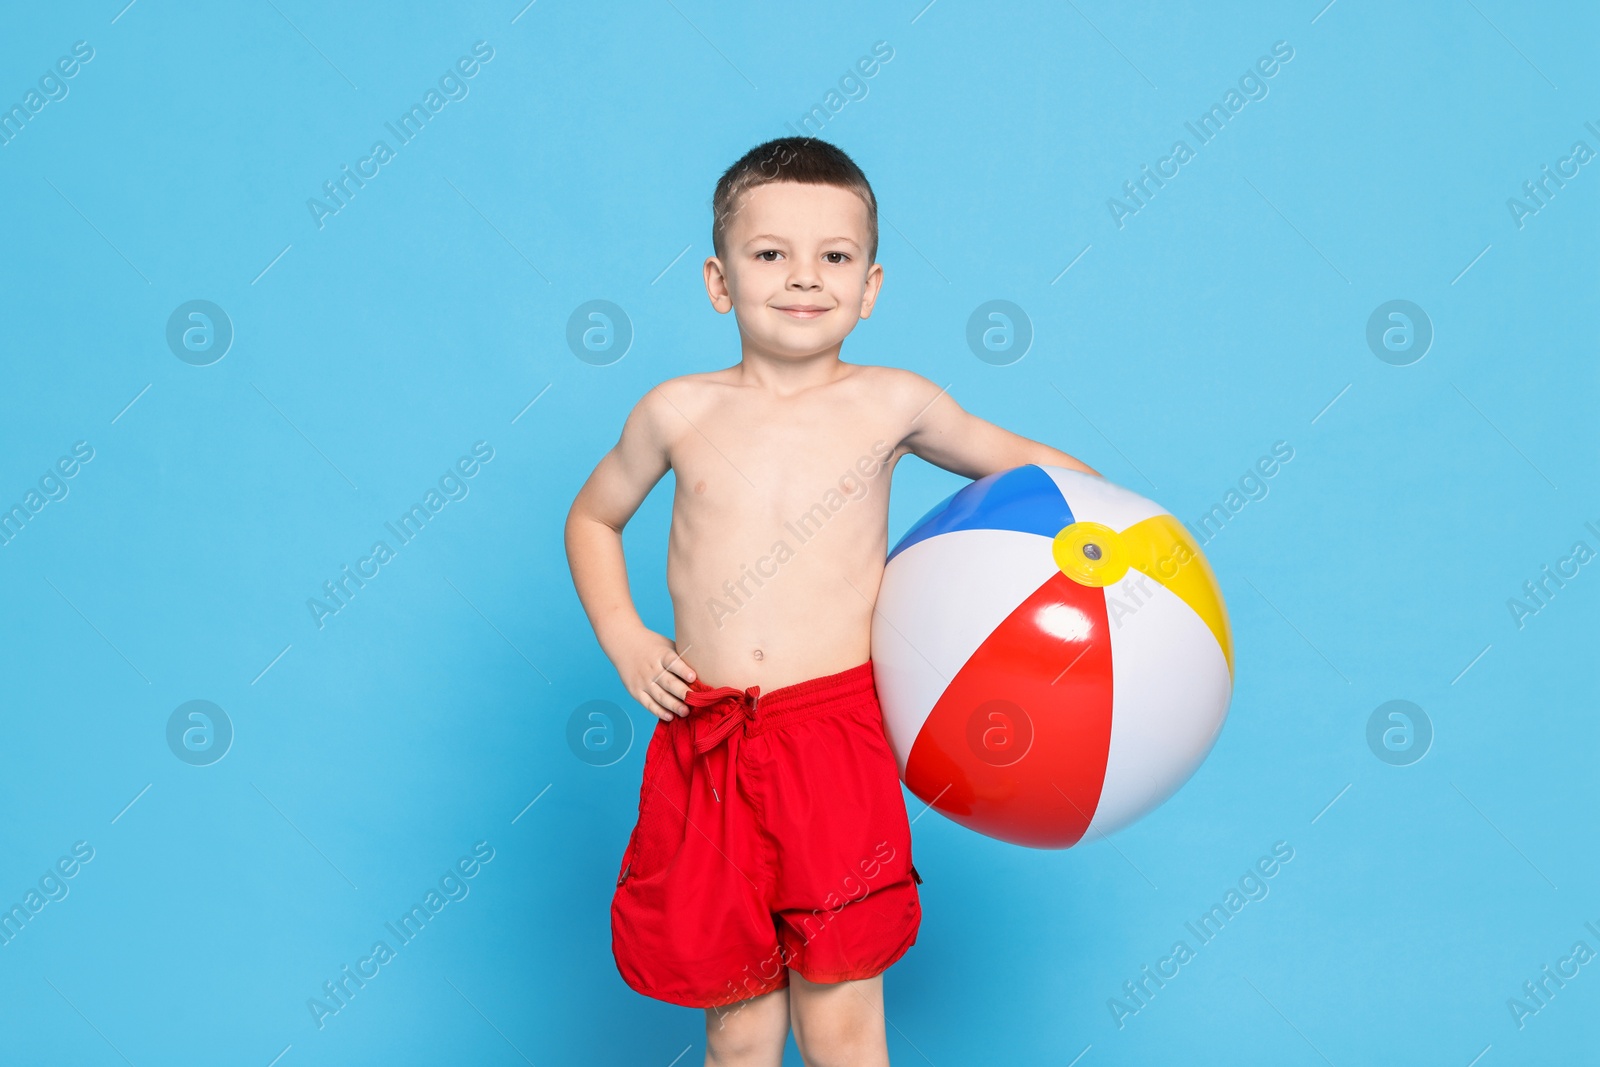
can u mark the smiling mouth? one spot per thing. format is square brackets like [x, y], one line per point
[803, 311]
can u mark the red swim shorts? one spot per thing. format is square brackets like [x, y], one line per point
[772, 833]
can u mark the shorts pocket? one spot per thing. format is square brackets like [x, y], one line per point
[655, 755]
[871, 722]
[627, 856]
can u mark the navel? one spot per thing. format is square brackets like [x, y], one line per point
[757, 654]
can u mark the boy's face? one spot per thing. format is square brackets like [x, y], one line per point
[796, 274]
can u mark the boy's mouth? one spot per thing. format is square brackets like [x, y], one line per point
[801, 311]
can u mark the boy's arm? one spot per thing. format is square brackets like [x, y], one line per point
[947, 436]
[647, 662]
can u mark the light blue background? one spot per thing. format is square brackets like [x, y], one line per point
[426, 315]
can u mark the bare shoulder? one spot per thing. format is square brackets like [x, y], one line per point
[904, 395]
[897, 386]
[689, 388]
[672, 405]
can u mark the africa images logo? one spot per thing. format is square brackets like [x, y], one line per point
[452, 485]
[452, 86]
[1253, 84]
[452, 886]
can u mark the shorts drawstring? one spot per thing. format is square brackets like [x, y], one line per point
[705, 760]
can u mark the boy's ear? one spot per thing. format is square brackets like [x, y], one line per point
[717, 286]
[874, 284]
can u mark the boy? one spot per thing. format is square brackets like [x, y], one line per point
[768, 878]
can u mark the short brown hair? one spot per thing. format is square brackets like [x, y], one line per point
[791, 159]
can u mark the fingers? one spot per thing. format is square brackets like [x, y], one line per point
[654, 707]
[679, 668]
[668, 699]
[674, 677]
[663, 694]
[672, 685]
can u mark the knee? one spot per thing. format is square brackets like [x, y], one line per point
[749, 1032]
[740, 1049]
[838, 1037]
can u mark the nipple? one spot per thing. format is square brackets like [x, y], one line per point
[758, 654]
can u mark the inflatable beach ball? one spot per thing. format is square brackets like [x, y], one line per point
[1052, 655]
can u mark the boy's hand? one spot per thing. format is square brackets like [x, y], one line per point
[649, 665]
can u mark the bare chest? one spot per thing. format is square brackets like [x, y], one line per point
[761, 467]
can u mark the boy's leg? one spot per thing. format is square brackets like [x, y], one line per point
[750, 1033]
[839, 1024]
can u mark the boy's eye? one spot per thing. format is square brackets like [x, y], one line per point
[843, 257]
[768, 252]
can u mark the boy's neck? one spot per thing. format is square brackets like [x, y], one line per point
[789, 374]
